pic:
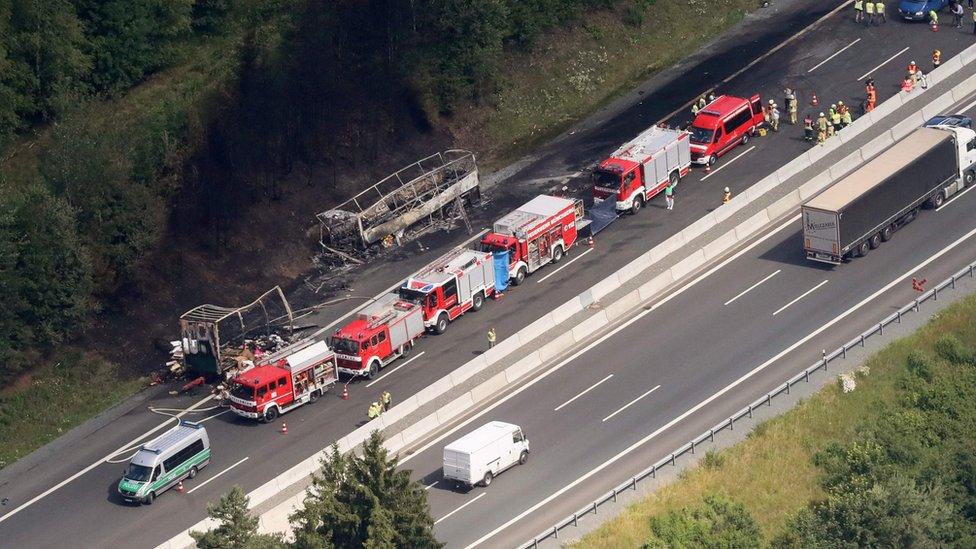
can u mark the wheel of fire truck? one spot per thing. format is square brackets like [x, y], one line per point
[557, 254]
[745, 138]
[638, 202]
[374, 368]
[674, 178]
[441, 325]
[193, 472]
[407, 347]
[712, 159]
[271, 414]
[519, 277]
[887, 232]
[313, 396]
[477, 300]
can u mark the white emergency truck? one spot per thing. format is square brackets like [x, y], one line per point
[479, 456]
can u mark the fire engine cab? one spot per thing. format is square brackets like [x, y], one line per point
[296, 375]
[453, 284]
[381, 333]
[537, 233]
[643, 167]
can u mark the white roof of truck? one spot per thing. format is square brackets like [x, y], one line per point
[443, 269]
[389, 307]
[647, 143]
[538, 209]
[480, 437]
[308, 356]
[873, 172]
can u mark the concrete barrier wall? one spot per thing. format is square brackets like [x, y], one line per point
[575, 335]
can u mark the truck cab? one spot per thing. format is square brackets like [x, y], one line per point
[965, 139]
[260, 390]
[360, 348]
[620, 180]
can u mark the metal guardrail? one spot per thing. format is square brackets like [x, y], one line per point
[766, 400]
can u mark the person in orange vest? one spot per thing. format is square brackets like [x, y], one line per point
[912, 70]
[872, 99]
[907, 84]
[936, 58]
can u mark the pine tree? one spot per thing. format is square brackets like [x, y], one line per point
[364, 502]
[237, 528]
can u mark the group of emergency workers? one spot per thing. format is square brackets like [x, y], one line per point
[380, 406]
[869, 12]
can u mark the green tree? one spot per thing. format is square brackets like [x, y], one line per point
[364, 502]
[236, 528]
[717, 523]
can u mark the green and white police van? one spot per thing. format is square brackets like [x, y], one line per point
[161, 464]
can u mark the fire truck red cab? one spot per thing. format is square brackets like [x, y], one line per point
[381, 333]
[296, 375]
[724, 123]
[450, 286]
[539, 232]
[642, 167]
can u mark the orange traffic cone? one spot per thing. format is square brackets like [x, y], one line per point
[179, 487]
[813, 100]
[934, 26]
[284, 428]
[708, 168]
[499, 295]
[589, 241]
[345, 392]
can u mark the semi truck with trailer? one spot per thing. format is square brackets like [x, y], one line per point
[864, 209]
[641, 168]
[457, 282]
[539, 232]
[381, 333]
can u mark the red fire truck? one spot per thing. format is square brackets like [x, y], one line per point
[642, 167]
[298, 374]
[447, 288]
[539, 232]
[381, 333]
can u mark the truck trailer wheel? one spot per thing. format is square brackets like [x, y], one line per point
[937, 200]
[886, 233]
[863, 248]
[486, 482]
[477, 301]
[875, 241]
[441, 325]
[557, 254]
[638, 202]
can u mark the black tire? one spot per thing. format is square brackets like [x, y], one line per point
[271, 414]
[968, 178]
[193, 472]
[477, 301]
[875, 241]
[636, 206]
[523, 457]
[313, 396]
[519, 277]
[674, 178]
[557, 254]
[886, 233]
[863, 248]
[407, 347]
[372, 370]
[745, 138]
[150, 498]
[937, 200]
[712, 159]
[442, 322]
[486, 482]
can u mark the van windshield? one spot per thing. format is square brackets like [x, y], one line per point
[413, 296]
[701, 136]
[345, 346]
[138, 473]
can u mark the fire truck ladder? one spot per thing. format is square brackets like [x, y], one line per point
[382, 318]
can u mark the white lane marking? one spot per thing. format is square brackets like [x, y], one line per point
[121, 449]
[408, 361]
[601, 339]
[722, 391]
[754, 286]
[429, 486]
[383, 293]
[967, 107]
[208, 418]
[587, 390]
[725, 164]
[631, 403]
[568, 263]
[955, 197]
[804, 294]
[840, 51]
[890, 59]
[204, 483]
[445, 517]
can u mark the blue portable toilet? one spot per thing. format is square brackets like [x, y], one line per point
[501, 270]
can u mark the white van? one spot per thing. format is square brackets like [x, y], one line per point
[477, 457]
[161, 464]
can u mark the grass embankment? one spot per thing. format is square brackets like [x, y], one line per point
[572, 72]
[773, 473]
[42, 407]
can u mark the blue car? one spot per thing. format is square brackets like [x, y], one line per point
[918, 10]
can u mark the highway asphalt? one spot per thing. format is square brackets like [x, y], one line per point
[65, 496]
[687, 348]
